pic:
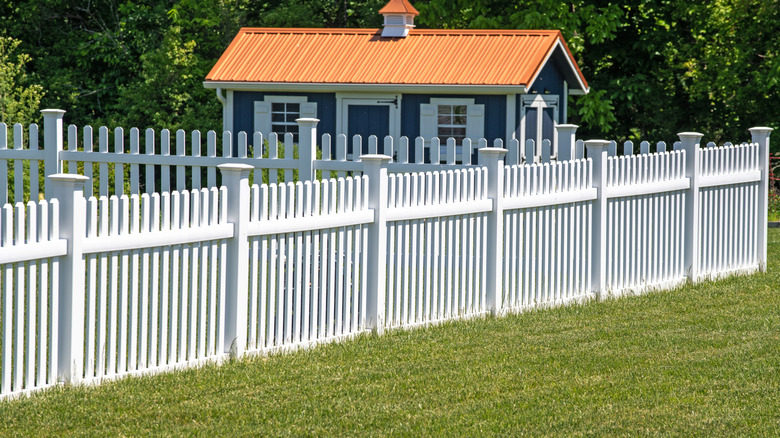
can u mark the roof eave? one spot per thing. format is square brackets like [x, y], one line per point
[397, 88]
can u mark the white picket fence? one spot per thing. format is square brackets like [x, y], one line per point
[133, 162]
[95, 288]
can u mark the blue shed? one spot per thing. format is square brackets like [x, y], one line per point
[398, 80]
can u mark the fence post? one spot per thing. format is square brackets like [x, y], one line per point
[68, 190]
[566, 141]
[307, 148]
[235, 177]
[760, 135]
[493, 159]
[52, 145]
[375, 168]
[597, 152]
[689, 142]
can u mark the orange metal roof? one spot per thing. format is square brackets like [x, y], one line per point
[399, 7]
[362, 56]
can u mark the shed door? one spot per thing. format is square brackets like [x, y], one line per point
[539, 115]
[367, 120]
[368, 117]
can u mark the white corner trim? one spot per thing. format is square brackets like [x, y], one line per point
[227, 112]
[511, 117]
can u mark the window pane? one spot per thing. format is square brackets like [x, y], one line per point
[445, 109]
[459, 109]
[277, 107]
[292, 116]
[459, 132]
[275, 117]
[294, 107]
[459, 120]
[445, 120]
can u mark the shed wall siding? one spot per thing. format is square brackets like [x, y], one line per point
[549, 79]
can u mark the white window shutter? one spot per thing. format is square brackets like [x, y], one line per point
[309, 110]
[428, 123]
[263, 117]
[475, 122]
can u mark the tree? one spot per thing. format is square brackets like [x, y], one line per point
[19, 99]
[582, 23]
[655, 67]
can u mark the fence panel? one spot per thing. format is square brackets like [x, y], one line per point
[547, 233]
[29, 267]
[436, 245]
[645, 220]
[154, 281]
[118, 168]
[20, 164]
[308, 247]
[728, 209]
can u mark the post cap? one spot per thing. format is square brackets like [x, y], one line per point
[47, 112]
[761, 130]
[497, 151]
[68, 181]
[597, 143]
[235, 167]
[690, 135]
[376, 157]
[307, 120]
[68, 177]
[567, 126]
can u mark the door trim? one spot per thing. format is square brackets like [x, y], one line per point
[540, 102]
[343, 100]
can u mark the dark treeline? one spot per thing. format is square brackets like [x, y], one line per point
[655, 67]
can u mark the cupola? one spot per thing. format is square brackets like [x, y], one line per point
[399, 18]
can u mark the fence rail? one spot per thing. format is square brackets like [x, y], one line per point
[95, 288]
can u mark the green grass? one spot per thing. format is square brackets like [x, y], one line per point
[774, 205]
[702, 360]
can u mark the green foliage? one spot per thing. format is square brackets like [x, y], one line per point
[170, 93]
[655, 67]
[658, 66]
[774, 206]
[19, 99]
[595, 109]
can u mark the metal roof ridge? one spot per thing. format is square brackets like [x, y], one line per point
[417, 31]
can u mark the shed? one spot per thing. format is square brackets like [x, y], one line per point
[398, 80]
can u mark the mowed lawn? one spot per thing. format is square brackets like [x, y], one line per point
[697, 361]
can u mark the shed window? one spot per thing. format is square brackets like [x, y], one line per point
[452, 122]
[283, 116]
[452, 118]
[278, 114]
